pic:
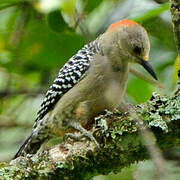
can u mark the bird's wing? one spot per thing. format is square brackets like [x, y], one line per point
[69, 75]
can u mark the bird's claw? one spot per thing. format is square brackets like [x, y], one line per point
[84, 133]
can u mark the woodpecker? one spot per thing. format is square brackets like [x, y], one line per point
[91, 81]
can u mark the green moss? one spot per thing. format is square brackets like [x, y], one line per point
[120, 144]
[13, 172]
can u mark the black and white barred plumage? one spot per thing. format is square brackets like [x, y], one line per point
[72, 72]
[69, 75]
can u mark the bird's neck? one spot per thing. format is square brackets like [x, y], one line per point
[112, 50]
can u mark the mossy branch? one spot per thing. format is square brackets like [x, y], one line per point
[175, 12]
[121, 145]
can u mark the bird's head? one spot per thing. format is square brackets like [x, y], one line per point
[131, 41]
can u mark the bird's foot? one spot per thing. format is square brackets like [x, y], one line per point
[84, 133]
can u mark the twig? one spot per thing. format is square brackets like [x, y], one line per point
[9, 122]
[149, 141]
[22, 21]
[146, 78]
[79, 23]
[9, 93]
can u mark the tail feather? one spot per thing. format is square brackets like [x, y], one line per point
[30, 146]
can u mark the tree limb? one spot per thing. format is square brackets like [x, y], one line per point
[119, 141]
[175, 13]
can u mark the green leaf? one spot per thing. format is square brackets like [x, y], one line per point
[90, 5]
[151, 13]
[139, 90]
[7, 5]
[68, 7]
[44, 50]
[56, 21]
[11, 1]
[162, 30]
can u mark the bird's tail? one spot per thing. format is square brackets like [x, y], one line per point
[30, 146]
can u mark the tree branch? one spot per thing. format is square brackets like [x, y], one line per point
[28, 92]
[175, 13]
[120, 144]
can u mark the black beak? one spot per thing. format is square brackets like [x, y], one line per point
[148, 68]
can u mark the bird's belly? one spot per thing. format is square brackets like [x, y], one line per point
[90, 97]
[106, 97]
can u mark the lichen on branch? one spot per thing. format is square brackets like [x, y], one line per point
[120, 144]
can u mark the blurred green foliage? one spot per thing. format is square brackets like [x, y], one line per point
[38, 37]
[145, 171]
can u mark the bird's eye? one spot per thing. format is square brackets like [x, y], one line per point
[137, 50]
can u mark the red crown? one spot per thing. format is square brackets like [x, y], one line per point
[124, 22]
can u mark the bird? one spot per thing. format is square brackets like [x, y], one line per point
[92, 80]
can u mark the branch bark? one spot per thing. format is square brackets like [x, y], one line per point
[120, 144]
[175, 13]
